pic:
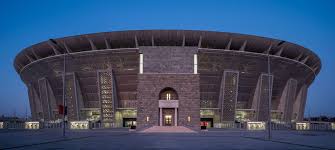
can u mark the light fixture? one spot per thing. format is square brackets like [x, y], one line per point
[189, 118]
[147, 118]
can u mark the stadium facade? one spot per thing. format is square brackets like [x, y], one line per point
[167, 78]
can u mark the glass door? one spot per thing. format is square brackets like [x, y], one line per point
[168, 120]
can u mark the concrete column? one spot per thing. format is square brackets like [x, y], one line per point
[160, 117]
[260, 101]
[175, 116]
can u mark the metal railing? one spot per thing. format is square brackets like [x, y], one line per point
[312, 126]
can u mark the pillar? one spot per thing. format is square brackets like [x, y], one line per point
[260, 102]
[160, 117]
[175, 116]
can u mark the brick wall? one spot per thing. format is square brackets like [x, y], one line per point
[187, 88]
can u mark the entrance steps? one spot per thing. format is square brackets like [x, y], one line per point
[167, 129]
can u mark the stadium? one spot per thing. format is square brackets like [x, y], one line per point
[148, 78]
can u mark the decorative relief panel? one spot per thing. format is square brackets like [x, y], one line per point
[70, 98]
[229, 92]
[107, 97]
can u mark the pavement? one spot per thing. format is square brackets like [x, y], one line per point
[125, 139]
[167, 129]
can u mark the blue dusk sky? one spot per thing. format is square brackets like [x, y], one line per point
[305, 22]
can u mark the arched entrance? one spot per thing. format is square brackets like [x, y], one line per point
[168, 94]
[168, 107]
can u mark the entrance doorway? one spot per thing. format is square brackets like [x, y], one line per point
[208, 122]
[168, 116]
[128, 122]
[168, 107]
[168, 120]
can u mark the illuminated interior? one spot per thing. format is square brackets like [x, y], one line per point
[128, 122]
[79, 125]
[208, 122]
[302, 126]
[126, 117]
[32, 125]
[244, 115]
[206, 112]
[276, 116]
[259, 125]
[168, 120]
[90, 114]
[227, 124]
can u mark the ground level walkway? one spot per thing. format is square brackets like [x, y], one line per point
[124, 139]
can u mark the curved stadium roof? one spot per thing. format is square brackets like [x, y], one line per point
[136, 38]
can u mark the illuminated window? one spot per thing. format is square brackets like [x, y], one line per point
[168, 94]
[195, 64]
[141, 63]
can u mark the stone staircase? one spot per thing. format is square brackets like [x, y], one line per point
[167, 129]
